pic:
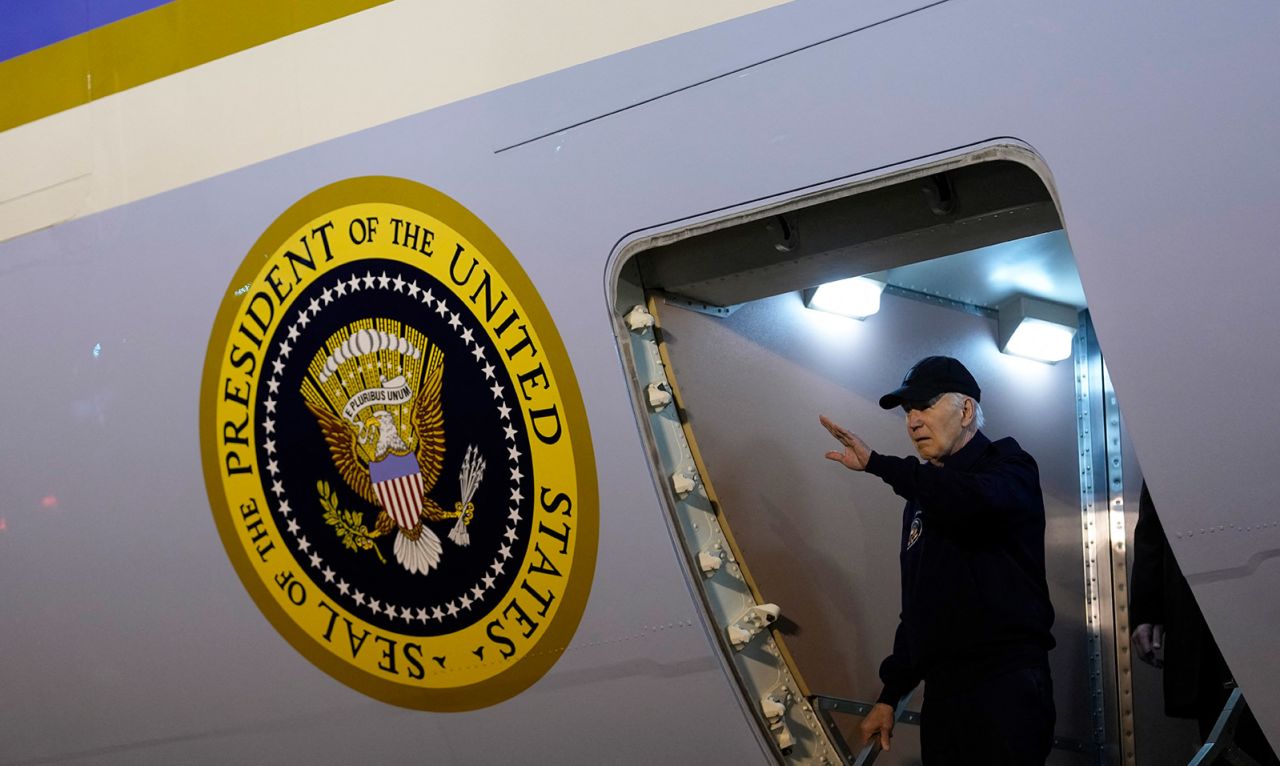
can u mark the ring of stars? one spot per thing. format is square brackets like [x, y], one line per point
[408, 614]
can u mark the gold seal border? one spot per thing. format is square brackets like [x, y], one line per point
[543, 653]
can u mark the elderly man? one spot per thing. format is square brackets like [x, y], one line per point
[976, 618]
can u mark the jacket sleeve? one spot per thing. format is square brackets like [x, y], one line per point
[897, 672]
[1004, 490]
[1146, 592]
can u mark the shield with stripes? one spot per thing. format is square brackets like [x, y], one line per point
[398, 484]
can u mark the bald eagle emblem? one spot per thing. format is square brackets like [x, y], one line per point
[374, 388]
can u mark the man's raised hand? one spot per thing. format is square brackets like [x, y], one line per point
[855, 454]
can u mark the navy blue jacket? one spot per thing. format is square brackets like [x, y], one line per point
[975, 602]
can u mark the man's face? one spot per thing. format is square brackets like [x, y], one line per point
[936, 427]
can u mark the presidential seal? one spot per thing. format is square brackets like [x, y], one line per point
[395, 448]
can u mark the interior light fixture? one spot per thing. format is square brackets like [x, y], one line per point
[857, 297]
[1037, 329]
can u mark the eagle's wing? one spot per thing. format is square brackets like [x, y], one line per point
[341, 439]
[428, 422]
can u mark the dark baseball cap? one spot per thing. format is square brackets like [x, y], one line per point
[929, 377]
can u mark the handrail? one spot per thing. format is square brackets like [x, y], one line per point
[1221, 746]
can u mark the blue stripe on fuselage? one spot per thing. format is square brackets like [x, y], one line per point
[28, 25]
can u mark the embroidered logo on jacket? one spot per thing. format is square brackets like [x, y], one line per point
[917, 529]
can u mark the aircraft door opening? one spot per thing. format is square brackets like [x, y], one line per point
[732, 369]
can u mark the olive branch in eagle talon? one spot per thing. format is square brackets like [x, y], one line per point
[349, 524]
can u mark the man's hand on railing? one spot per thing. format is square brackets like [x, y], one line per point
[878, 724]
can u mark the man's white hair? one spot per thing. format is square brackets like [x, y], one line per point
[978, 419]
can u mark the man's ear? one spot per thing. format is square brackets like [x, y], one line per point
[967, 412]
